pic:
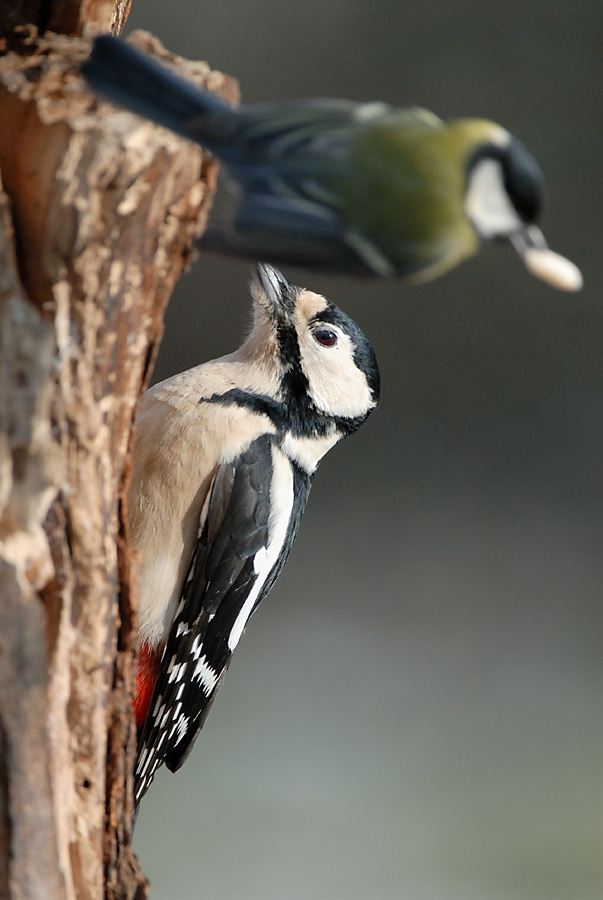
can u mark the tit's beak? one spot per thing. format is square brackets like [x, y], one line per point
[543, 263]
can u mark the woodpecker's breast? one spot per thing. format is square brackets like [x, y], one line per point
[180, 442]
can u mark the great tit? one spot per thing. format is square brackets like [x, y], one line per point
[358, 188]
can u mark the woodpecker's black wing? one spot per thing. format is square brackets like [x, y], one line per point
[255, 505]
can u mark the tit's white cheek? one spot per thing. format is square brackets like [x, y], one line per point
[487, 203]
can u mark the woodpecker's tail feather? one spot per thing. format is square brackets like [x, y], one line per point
[129, 78]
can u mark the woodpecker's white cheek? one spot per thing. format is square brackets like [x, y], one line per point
[487, 203]
[336, 384]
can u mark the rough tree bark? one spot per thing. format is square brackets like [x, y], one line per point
[98, 212]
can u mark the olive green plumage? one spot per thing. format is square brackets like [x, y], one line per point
[346, 187]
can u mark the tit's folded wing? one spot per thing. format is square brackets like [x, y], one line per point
[241, 549]
[292, 181]
[274, 132]
[289, 230]
[296, 230]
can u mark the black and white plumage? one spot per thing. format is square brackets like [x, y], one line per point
[223, 462]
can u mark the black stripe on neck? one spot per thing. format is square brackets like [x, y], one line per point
[297, 415]
[294, 381]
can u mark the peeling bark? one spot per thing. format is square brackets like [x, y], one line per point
[98, 212]
[62, 16]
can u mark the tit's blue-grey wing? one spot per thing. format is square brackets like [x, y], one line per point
[296, 229]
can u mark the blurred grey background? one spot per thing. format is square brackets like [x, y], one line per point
[415, 712]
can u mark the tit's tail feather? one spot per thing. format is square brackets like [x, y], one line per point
[129, 78]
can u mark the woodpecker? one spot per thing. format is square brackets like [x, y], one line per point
[223, 460]
[358, 188]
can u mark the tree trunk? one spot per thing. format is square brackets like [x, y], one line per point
[98, 211]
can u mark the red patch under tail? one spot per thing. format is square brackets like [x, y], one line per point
[148, 664]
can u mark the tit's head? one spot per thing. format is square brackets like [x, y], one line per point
[327, 369]
[503, 200]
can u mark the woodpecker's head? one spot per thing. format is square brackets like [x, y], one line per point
[325, 369]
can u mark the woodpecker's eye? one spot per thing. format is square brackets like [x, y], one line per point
[325, 336]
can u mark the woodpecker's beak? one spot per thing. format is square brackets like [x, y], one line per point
[272, 284]
[543, 263]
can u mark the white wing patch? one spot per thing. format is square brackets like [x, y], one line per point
[259, 560]
[281, 505]
[206, 674]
